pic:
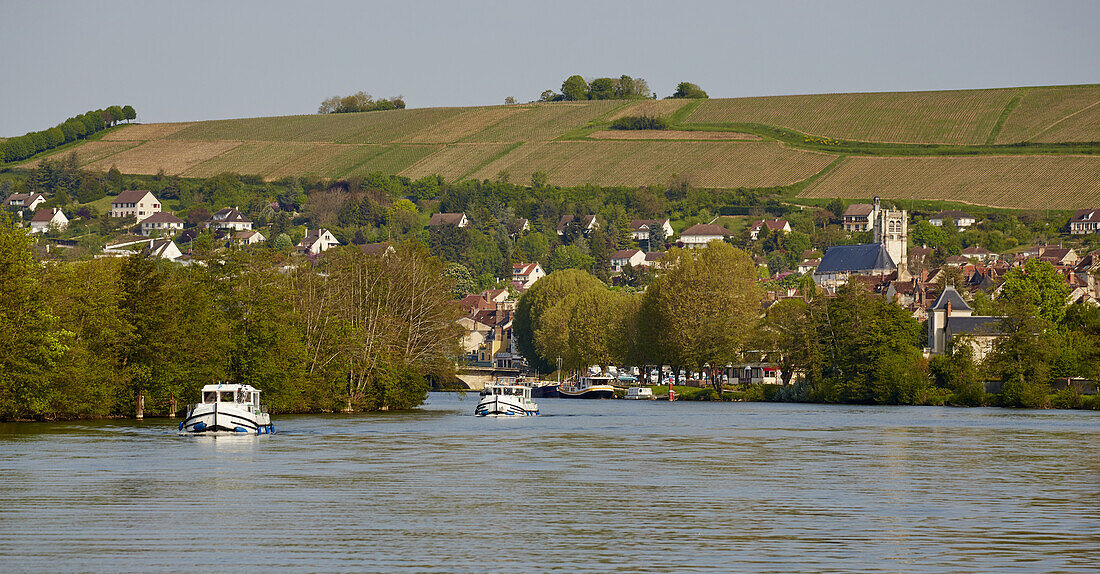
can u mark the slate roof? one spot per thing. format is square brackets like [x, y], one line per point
[706, 229]
[230, 215]
[131, 196]
[871, 257]
[976, 250]
[974, 325]
[950, 294]
[44, 215]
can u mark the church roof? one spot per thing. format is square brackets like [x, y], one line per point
[951, 295]
[871, 257]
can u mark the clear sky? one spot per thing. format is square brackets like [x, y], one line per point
[194, 60]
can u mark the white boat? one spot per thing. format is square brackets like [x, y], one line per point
[640, 393]
[588, 387]
[506, 401]
[227, 408]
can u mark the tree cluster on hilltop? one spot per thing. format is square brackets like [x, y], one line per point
[74, 128]
[576, 88]
[359, 102]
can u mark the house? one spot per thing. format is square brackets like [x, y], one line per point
[24, 202]
[808, 265]
[700, 234]
[774, 225]
[653, 258]
[844, 261]
[624, 257]
[161, 221]
[956, 261]
[136, 203]
[162, 248]
[229, 219]
[962, 219]
[377, 249]
[588, 223]
[858, 217]
[317, 241]
[249, 237]
[455, 219]
[977, 252]
[45, 219]
[639, 228]
[950, 318]
[525, 274]
[1059, 256]
[1085, 221]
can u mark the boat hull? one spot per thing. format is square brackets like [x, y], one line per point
[594, 392]
[225, 418]
[504, 406]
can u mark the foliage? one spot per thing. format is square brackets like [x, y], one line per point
[27, 145]
[574, 88]
[689, 90]
[639, 123]
[359, 102]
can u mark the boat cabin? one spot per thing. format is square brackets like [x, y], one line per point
[507, 390]
[244, 395]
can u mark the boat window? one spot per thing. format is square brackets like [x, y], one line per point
[256, 399]
[209, 396]
[227, 396]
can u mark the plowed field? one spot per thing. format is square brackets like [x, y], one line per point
[145, 132]
[651, 108]
[454, 161]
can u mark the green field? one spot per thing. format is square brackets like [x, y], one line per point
[1028, 147]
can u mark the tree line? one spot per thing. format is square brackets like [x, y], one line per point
[359, 102]
[74, 128]
[351, 332]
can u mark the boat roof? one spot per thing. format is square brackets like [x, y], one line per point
[229, 387]
[503, 386]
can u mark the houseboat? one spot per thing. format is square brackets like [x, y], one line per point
[227, 408]
[588, 387]
[640, 393]
[499, 400]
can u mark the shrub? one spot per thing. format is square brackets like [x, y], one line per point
[639, 123]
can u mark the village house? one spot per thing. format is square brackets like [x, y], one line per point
[950, 318]
[1085, 221]
[229, 219]
[624, 257]
[858, 217]
[377, 249]
[248, 237]
[525, 274]
[640, 228]
[699, 235]
[808, 265]
[977, 252]
[455, 219]
[24, 202]
[962, 219]
[161, 248]
[163, 222]
[774, 225]
[653, 258]
[1059, 256]
[136, 203]
[317, 241]
[588, 224]
[46, 219]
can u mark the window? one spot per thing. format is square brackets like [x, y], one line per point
[227, 396]
[209, 396]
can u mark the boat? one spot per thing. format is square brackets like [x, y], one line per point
[227, 408]
[499, 400]
[640, 393]
[588, 387]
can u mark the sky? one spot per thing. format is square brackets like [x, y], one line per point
[197, 60]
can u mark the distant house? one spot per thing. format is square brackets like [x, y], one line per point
[950, 317]
[844, 261]
[962, 219]
[376, 249]
[161, 221]
[640, 228]
[136, 203]
[44, 219]
[1059, 255]
[161, 248]
[1085, 221]
[317, 241]
[956, 261]
[977, 252]
[455, 219]
[858, 217]
[24, 202]
[525, 274]
[229, 219]
[588, 223]
[624, 257]
[808, 265]
[653, 258]
[774, 225]
[700, 234]
[249, 237]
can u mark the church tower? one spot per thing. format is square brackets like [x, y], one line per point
[891, 229]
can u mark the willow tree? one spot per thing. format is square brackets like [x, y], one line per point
[701, 310]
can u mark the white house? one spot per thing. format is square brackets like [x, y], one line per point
[624, 257]
[317, 241]
[25, 201]
[230, 219]
[1085, 221]
[249, 237]
[774, 225]
[962, 219]
[699, 235]
[44, 219]
[162, 248]
[639, 228]
[525, 274]
[161, 221]
[979, 253]
[950, 317]
[455, 219]
[138, 203]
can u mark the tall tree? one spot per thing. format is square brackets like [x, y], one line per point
[574, 88]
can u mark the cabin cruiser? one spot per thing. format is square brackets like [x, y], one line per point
[588, 387]
[640, 393]
[506, 401]
[228, 408]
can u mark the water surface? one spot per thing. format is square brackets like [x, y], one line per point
[590, 486]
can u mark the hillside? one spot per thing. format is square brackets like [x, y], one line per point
[1009, 147]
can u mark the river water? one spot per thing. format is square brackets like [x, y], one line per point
[622, 486]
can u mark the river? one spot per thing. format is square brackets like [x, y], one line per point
[589, 486]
